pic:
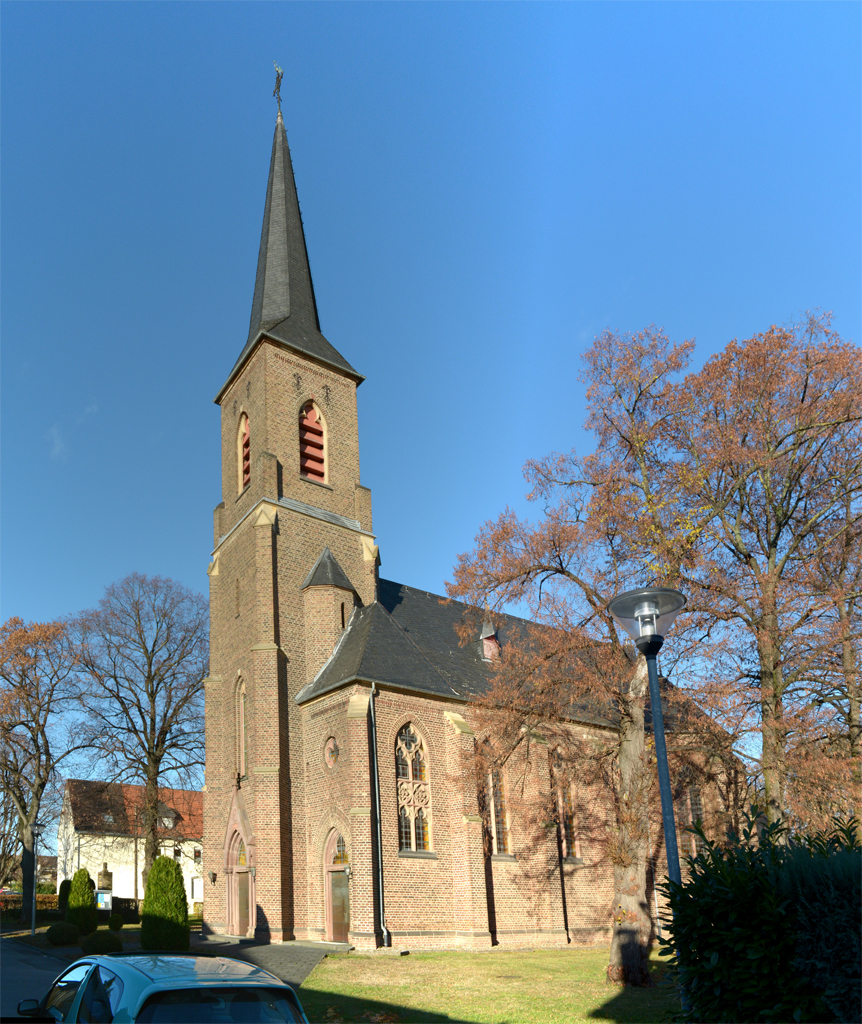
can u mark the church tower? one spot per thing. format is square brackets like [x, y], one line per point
[294, 554]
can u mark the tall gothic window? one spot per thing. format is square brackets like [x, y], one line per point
[499, 816]
[414, 794]
[695, 814]
[312, 443]
[243, 454]
[569, 839]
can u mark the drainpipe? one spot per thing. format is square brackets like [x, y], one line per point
[375, 778]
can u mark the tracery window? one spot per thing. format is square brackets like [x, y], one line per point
[312, 443]
[339, 855]
[243, 454]
[414, 793]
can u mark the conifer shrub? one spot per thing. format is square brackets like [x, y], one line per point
[81, 910]
[748, 937]
[115, 922]
[63, 934]
[63, 894]
[165, 912]
[101, 942]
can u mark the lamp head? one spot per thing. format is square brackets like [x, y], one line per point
[647, 613]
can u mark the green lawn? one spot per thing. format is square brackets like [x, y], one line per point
[489, 987]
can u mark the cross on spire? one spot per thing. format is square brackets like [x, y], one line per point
[279, 74]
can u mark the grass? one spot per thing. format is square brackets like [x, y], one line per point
[489, 987]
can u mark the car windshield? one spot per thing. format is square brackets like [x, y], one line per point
[220, 1004]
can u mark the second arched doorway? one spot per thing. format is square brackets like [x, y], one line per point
[336, 878]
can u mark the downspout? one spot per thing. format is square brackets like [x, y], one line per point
[375, 777]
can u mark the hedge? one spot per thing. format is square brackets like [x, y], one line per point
[767, 928]
[44, 901]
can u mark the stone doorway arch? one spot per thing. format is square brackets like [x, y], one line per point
[241, 905]
[336, 887]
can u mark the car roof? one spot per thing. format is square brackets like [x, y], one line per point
[178, 970]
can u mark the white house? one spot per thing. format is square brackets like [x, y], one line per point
[101, 830]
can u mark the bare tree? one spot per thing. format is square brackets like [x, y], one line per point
[38, 702]
[144, 653]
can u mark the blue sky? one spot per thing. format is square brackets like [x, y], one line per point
[485, 187]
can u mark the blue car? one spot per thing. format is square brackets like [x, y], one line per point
[153, 987]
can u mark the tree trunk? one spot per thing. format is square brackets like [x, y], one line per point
[630, 944]
[28, 861]
[151, 824]
[772, 711]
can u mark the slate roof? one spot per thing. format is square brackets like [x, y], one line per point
[407, 639]
[326, 572]
[112, 808]
[284, 308]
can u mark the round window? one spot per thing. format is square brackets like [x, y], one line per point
[331, 752]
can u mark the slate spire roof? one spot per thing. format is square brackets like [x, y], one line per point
[284, 308]
[326, 572]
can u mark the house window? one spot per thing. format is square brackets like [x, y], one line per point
[178, 853]
[312, 443]
[497, 814]
[243, 454]
[414, 793]
[197, 856]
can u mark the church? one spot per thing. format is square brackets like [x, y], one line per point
[339, 802]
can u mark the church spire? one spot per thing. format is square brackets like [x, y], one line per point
[283, 308]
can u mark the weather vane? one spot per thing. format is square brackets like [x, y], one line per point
[279, 74]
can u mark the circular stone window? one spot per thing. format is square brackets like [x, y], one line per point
[331, 752]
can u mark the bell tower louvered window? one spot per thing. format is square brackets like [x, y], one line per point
[243, 454]
[312, 443]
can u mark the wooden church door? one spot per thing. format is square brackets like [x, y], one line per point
[337, 874]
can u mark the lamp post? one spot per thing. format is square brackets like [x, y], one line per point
[645, 615]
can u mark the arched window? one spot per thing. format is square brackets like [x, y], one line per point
[569, 838]
[499, 814]
[414, 793]
[243, 454]
[312, 443]
[339, 854]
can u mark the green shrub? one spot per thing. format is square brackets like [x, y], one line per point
[738, 941]
[101, 942]
[165, 912]
[63, 894]
[63, 934]
[81, 910]
[826, 892]
[115, 922]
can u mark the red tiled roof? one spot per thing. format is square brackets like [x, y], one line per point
[115, 807]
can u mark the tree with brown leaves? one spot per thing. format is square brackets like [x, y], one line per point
[144, 654]
[718, 484]
[39, 730]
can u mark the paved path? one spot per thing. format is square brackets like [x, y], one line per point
[290, 961]
[25, 973]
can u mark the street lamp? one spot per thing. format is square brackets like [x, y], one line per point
[646, 615]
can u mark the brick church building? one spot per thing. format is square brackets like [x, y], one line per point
[339, 803]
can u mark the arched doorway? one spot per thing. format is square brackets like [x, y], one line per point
[336, 874]
[240, 903]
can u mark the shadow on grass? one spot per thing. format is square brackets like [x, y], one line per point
[629, 1005]
[335, 1008]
